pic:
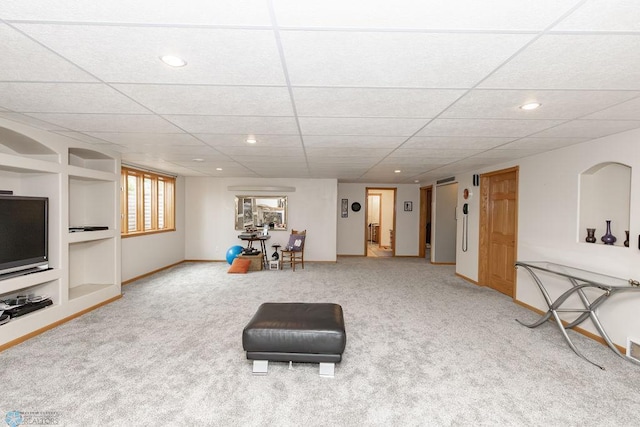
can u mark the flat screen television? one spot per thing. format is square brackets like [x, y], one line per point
[24, 234]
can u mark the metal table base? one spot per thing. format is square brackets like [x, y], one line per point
[580, 280]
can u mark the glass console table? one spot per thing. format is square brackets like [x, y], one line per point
[579, 281]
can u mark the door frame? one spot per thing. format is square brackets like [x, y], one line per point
[484, 229]
[366, 215]
[424, 209]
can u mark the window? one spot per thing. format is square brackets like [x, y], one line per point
[148, 202]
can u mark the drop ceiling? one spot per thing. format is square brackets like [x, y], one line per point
[352, 90]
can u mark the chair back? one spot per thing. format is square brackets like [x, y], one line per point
[296, 240]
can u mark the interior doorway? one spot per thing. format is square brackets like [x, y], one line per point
[426, 204]
[380, 222]
[498, 230]
[445, 224]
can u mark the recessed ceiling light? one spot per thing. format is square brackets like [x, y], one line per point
[251, 140]
[218, 169]
[416, 181]
[198, 160]
[173, 61]
[397, 171]
[530, 106]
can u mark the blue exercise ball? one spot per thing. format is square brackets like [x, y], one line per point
[233, 252]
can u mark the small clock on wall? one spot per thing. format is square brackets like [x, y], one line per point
[355, 206]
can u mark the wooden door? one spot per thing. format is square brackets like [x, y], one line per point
[499, 230]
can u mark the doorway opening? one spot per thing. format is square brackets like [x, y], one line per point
[445, 224]
[426, 202]
[380, 222]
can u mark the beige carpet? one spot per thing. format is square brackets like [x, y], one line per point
[423, 348]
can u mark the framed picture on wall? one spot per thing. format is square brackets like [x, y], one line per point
[344, 210]
[408, 206]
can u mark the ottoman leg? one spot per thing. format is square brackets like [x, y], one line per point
[260, 367]
[327, 369]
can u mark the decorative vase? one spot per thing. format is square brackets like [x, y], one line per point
[608, 238]
[591, 235]
[626, 242]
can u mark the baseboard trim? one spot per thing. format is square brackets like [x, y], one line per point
[579, 330]
[443, 263]
[142, 276]
[56, 323]
[468, 279]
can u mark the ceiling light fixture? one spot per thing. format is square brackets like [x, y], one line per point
[397, 171]
[251, 140]
[218, 169]
[530, 106]
[198, 160]
[173, 61]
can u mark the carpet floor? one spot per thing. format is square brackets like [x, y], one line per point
[424, 347]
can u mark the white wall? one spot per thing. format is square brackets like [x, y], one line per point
[143, 254]
[548, 225]
[210, 228]
[351, 230]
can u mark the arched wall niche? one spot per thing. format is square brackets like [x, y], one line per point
[605, 191]
[12, 142]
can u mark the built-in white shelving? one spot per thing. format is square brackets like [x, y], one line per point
[82, 184]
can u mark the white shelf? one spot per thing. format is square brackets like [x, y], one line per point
[89, 236]
[18, 164]
[81, 173]
[28, 280]
[82, 184]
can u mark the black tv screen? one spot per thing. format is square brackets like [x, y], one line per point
[23, 233]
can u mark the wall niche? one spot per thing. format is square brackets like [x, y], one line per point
[605, 191]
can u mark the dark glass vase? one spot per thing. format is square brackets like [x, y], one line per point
[591, 235]
[626, 242]
[608, 238]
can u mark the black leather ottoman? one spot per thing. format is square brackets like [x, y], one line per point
[295, 332]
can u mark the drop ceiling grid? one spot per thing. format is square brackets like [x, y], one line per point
[391, 79]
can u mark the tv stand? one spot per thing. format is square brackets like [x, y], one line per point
[23, 272]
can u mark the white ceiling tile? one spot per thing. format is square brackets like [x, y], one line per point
[109, 122]
[405, 162]
[235, 125]
[85, 137]
[150, 139]
[507, 154]
[212, 100]
[255, 150]
[183, 154]
[278, 161]
[365, 102]
[21, 118]
[66, 98]
[26, 60]
[629, 110]
[131, 54]
[541, 143]
[353, 141]
[457, 142]
[280, 141]
[210, 12]
[337, 160]
[434, 153]
[586, 61]
[505, 104]
[603, 15]
[395, 59]
[359, 126]
[417, 14]
[589, 129]
[486, 127]
[347, 152]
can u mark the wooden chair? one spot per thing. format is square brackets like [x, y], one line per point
[293, 253]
